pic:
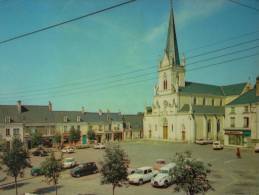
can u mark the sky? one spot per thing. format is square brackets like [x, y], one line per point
[109, 60]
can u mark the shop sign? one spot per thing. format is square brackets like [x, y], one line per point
[228, 132]
[247, 133]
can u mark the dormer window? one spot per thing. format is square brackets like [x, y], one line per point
[78, 119]
[165, 84]
[65, 119]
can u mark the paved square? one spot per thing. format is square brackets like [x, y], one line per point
[229, 174]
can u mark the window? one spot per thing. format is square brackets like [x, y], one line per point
[232, 121]
[194, 101]
[220, 103]
[165, 84]
[16, 132]
[78, 119]
[204, 101]
[246, 109]
[7, 119]
[212, 102]
[209, 126]
[172, 127]
[218, 125]
[65, 119]
[246, 122]
[232, 110]
[7, 132]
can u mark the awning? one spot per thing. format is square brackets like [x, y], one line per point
[246, 133]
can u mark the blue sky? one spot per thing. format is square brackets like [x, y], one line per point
[87, 63]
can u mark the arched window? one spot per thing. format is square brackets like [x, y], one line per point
[165, 84]
[220, 102]
[208, 126]
[194, 101]
[218, 125]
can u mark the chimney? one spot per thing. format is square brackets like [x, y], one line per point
[257, 86]
[83, 110]
[19, 106]
[50, 106]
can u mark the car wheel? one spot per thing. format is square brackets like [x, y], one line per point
[140, 182]
[166, 184]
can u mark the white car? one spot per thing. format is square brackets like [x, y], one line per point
[164, 177]
[69, 163]
[141, 175]
[257, 147]
[203, 141]
[99, 146]
[217, 145]
[68, 150]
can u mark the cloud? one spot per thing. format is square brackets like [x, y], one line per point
[196, 9]
[156, 32]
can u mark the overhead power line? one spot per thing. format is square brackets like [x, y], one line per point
[81, 90]
[65, 22]
[221, 49]
[244, 5]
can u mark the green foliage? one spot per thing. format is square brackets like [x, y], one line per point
[74, 134]
[114, 169]
[91, 134]
[56, 138]
[16, 159]
[190, 175]
[35, 139]
[51, 169]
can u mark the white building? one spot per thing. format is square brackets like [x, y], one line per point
[184, 111]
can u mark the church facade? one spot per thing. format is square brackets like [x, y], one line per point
[184, 111]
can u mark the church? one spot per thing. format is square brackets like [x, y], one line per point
[184, 111]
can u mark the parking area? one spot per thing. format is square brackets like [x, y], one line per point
[229, 175]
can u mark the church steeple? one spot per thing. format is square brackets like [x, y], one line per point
[171, 43]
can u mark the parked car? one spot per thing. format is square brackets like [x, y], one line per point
[257, 147]
[159, 163]
[130, 171]
[99, 146]
[164, 177]
[84, 169]
[204, 141]
[217, 145]
[141, 175]
[40, 152]
[69, 163]
[36, 171]
[68, 149]
[82, 146]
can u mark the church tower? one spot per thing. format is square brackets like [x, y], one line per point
[171, 72]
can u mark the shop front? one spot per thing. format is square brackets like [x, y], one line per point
[237, 137]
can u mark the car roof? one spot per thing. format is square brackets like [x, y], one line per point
[168, 166]
[144, 168]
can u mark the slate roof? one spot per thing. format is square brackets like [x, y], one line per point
[135, 120]
[214, 90]
[201, 109]
[41, 114]
[246, 98]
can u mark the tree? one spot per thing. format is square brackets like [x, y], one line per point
[114, 168]
[74, 134]
[16, 159]
[57, 139]
[51, 168]
[35, 139]
[190, 175]
[91, 134]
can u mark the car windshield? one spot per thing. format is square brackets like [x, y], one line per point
[164, 171]
[139, 171]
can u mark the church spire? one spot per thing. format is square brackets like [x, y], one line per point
[171, 43]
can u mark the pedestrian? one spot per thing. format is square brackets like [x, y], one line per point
[238, 152]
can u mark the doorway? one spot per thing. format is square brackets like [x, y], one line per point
[165, 132]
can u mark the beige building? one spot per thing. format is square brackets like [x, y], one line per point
[242, 119]
[184, 111]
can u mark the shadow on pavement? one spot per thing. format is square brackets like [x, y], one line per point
[11, 186]
[46, 189]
